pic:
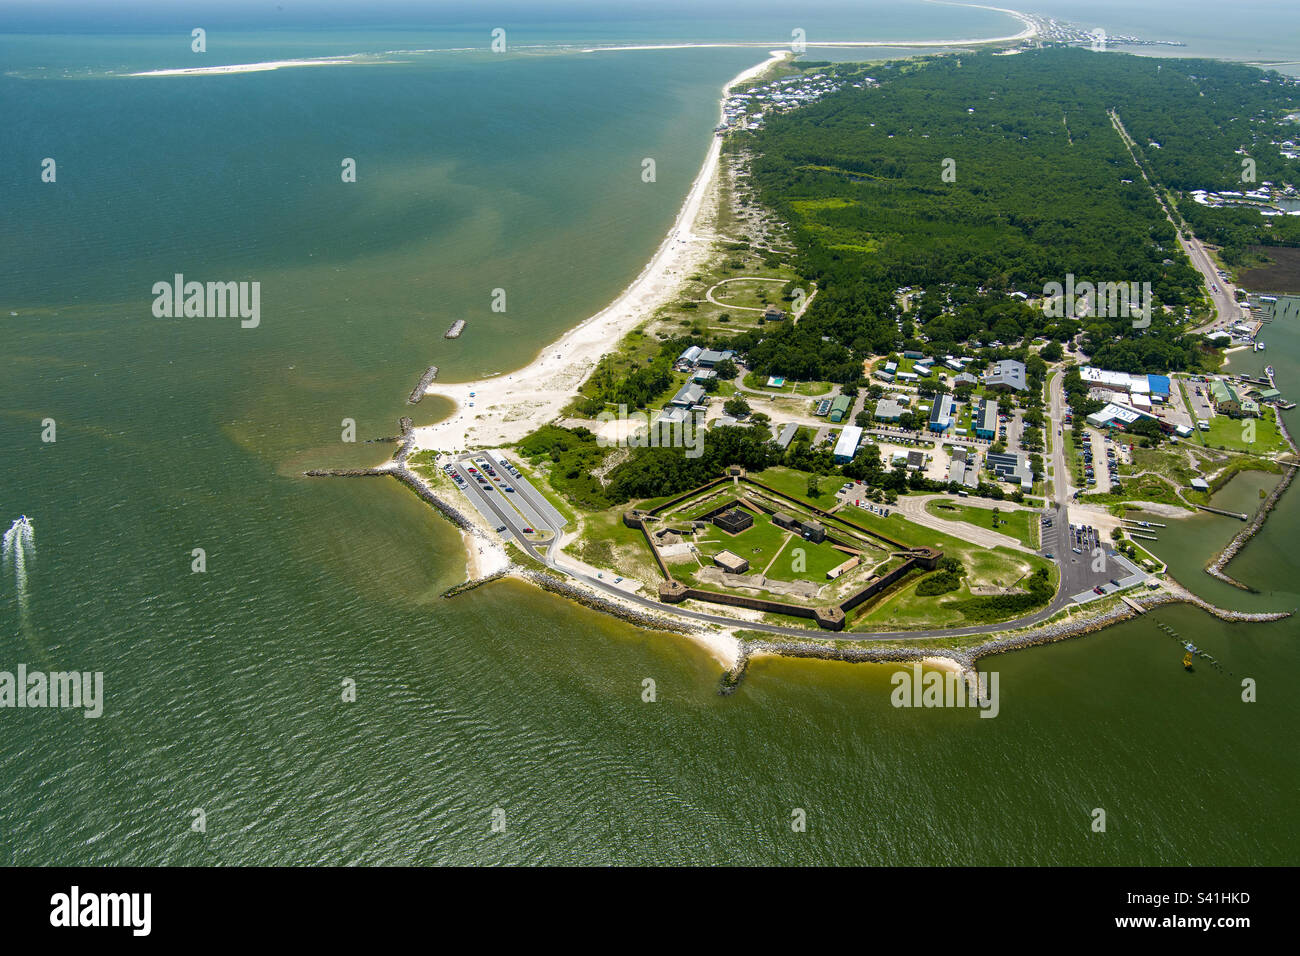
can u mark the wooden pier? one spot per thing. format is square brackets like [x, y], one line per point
[1227, 514]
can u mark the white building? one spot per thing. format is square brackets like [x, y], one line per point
[847, 445]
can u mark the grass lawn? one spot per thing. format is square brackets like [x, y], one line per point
[795, 484]
[749, 294]
[607, 543]
[1147, 488]
[1260, 436]
[903, 609]
[759, 544]
[810, 389]
[1021, 525]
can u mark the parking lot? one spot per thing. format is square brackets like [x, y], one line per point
[506, 499]
[1093, 566]
[1198, 396]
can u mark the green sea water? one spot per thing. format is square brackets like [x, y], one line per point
[223, 689]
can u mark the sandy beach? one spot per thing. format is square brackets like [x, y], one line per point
[509, 407]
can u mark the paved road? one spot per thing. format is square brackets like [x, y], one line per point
[523, 508]
[1076, 575]
[1227, 311]
[913, 507]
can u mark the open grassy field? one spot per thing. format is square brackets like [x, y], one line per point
[988, 571]
[1257, 436]
[750, 294]
[789, 387]
[607, 543]
[1146, 488]
[795, 484]
[1021, 525]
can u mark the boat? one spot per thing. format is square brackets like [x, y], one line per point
[1259, 346]
[1187, 661]
[1268, 370]
[22, 520]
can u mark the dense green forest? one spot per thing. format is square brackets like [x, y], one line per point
[1039, 186]
[974, 176]
[1209, 118]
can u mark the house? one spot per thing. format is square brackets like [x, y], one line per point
[890, 409]
[673, 416]
[773, 314]
[965, 377]
[941, 413]
[964, 469]
[913, 354]
[734, 521]
[704, 375]
[786, 435]
[847, 445]
[1200, 484]
[1007, 373]
[840, 407]
[884, 376]
[731, 563]
[1224, 397]
[986, 423]
[1011, 467]
[688, 395]
[691, 355]
[709, 358]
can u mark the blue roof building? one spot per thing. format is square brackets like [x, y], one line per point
[941, 413]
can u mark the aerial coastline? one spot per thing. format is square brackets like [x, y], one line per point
[799, 452]
[508, 407]
[502, 410]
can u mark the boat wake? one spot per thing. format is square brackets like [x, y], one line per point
[19, 550]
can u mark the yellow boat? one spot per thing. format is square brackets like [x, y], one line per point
[1187, 660]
